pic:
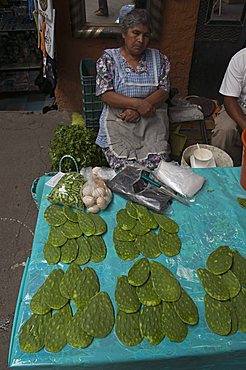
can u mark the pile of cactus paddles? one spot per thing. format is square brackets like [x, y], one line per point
[69, 308]
[151, 304]
[224, 281]
[74, 236]
[134, 233]
[52, 324]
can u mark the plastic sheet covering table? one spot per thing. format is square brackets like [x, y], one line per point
[214, 219]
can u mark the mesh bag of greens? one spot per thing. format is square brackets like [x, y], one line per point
[67, 190]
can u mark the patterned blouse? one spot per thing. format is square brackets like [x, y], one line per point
[112, 67]
[105, 72]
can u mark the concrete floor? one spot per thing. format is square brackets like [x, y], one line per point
[24, 141]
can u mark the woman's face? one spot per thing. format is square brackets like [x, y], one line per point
[136, 39]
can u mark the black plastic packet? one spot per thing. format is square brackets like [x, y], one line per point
[129, 183]
[46, 82]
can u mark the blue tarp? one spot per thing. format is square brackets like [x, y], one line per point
[215, 218]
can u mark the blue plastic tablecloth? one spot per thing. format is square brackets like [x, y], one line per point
[215, 218]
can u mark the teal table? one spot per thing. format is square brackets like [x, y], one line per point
[214, 219]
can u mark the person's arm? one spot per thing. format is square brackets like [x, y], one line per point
[162, 94]
[235, 111]
[157, 97]
[145, 106]
[130, 115]
[231, 87]
[116, 100]
[105, 88]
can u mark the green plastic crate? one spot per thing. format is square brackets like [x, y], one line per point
[92, 104]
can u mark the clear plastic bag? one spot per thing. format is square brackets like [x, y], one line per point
[67, 190]
[183, 180]
[95, 195]
[130, 185]
[103, 173]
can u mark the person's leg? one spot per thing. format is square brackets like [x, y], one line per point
[226, 136]
[103, 8]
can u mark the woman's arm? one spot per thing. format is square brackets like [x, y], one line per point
[144, 106]
[235, 111]
[105, 87]
[115, 100]
[158, 97]
[161, 95]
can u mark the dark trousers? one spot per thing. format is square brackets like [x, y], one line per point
[103, 4]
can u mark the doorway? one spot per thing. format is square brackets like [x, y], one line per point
[220, 33]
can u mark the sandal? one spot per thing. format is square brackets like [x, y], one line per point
[100, 12]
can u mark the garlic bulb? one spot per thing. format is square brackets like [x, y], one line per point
[101, 202]
[107, 200]
[93, 209]
[108, 193]
[99, 183]
[88, 201]
[95, 170]
[87, 190]
[98, 192]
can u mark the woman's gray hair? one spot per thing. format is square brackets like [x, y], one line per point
[135, 16]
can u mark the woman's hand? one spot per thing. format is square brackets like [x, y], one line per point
[145, 108]
[130, 115]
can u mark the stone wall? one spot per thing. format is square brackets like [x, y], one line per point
[176, 41]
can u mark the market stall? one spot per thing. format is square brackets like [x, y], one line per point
[213, 219]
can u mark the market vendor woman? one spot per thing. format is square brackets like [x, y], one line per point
[133, 83]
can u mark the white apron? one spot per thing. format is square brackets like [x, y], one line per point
[136, 141]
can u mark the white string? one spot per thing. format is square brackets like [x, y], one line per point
[6, 219]
[18, 265]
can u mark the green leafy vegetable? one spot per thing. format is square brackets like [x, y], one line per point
[77, 141]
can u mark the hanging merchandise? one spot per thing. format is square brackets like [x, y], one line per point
[46, 80]
[49, 36]
[45, 7]
[39, 28]
[36, 19]
[46, 27]
[31, 9]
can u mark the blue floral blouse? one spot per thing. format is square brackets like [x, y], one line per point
[105, 72]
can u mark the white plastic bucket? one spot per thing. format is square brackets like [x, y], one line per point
[222, 159]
